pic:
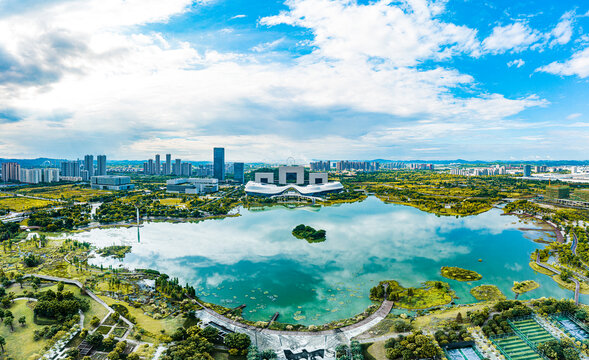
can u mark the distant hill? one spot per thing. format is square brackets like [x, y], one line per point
[30, 163]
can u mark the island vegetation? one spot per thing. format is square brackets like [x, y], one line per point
[429, 294]
[116, 251]
[459, 274]
[487, 293]
[308, 233]
[524, 286]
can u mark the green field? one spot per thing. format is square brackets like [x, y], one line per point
[20, 343]
[23, 204]
[64, 192]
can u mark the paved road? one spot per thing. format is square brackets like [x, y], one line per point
[556, 271]
[574, 245]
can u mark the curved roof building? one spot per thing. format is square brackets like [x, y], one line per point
[260, 189]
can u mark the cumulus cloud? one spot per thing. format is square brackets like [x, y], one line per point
[513, 37]
[577, 65]
[87, 75]
[517, 63]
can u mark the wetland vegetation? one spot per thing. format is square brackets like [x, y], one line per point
[459, 274]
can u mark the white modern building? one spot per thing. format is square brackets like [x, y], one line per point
[30, 176]
[50, 175]
[192, 186]
[291, 182]
[111, 182]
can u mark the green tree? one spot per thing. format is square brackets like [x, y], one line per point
[8, 321]
[2, 343]
[22, 320]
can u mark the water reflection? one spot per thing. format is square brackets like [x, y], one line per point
[254, 260]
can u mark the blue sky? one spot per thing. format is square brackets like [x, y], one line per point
[308, 79]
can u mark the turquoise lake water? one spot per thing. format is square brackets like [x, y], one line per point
[253, 259]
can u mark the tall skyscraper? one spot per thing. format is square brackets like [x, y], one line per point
[177, 167]
[10, 171]
[186, 169]
[219, 163]
[238, 172]
[70, 168]
[158, 165]
[89, 166]
[168, 170]
[527, 170]
[100, 165]
[30, 176]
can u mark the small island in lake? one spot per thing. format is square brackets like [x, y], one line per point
[487, 293]
[429, 294]
[456, 273]
[308, 233]
[116, 251]
[524, 286]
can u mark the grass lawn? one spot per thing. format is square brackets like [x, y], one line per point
[145, 351]
[20, 343]
[95, 308]
[23, 204]
[224, 355]
[65, 192]
[171, 201]
[376, 351]
[148, 323]
[427, 322]
[425, 296]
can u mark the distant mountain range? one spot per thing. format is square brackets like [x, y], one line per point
[29, 163]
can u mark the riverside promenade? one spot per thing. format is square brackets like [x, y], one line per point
[297, 341]
[556, 271]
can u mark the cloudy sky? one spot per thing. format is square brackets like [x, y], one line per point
[308, 79]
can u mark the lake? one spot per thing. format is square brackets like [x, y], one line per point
[254, 259]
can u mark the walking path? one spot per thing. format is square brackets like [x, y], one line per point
[556, 271]
[382, 311]
[81, 286]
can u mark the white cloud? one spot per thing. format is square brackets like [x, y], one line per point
[517, 63]
[404, 35]
[268, 45]
[240, 16]
[513, 37]
[563, 31]
[108, 85]
[577, 65]
[574, 116]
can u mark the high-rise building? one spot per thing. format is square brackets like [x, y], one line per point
[100, 165]
[30, 176]
[527, 170]
[70, 168]
[168, 169]
[10, 171]
[219, 163]
[186, 169]
[320, 166]
[158, 165]
[50, 175]
[238, 172]
[89, 166]
[177, 168]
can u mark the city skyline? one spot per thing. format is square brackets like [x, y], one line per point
[273, 80]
